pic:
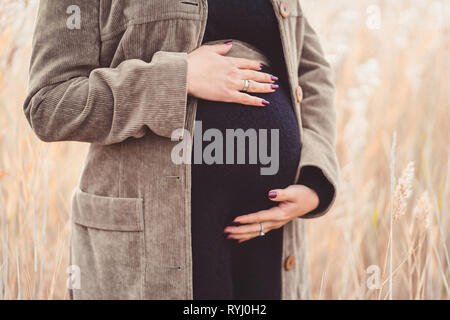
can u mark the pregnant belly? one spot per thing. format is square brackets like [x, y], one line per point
[277, 153]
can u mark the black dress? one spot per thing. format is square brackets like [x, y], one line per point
[225, 269]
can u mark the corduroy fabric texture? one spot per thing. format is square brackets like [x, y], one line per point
[119, 83]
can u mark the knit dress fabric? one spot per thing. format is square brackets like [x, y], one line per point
[223, 268]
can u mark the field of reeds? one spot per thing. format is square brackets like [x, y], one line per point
[388, 235]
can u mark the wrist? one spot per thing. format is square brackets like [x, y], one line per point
[313, 196]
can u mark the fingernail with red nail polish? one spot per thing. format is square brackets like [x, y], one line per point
[272, 195]
[274, 86]
[265, 102]
[229, 43]
[274, 78]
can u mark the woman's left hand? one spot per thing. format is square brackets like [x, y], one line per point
[295, 201]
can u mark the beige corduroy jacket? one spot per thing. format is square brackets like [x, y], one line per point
[113, 74]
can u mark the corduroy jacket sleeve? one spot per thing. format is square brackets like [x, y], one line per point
[318, 118]
[72, 98]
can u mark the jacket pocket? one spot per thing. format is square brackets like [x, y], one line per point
[107, 246]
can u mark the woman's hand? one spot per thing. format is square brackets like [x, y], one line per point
[213, 76]
[295, 201]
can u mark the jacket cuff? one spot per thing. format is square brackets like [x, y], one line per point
[313, 178]
[164, 111]
[318, 153]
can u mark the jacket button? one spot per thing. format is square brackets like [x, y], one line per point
[284, 9]
[289, 264]
[299, 94]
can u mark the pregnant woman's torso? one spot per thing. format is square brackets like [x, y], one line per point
[253, 22]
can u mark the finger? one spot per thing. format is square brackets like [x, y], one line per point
[272, 214]
[254, 227]
[243, 63]
[222, 48]
[243, 98]
[244, 236]
[279, 195]
[257, 76]
[256, 87]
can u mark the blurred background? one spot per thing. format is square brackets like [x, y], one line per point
[391, 60]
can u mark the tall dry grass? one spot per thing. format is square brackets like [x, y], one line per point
[392, 213]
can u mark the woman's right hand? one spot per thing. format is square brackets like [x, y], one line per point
[215, 77]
